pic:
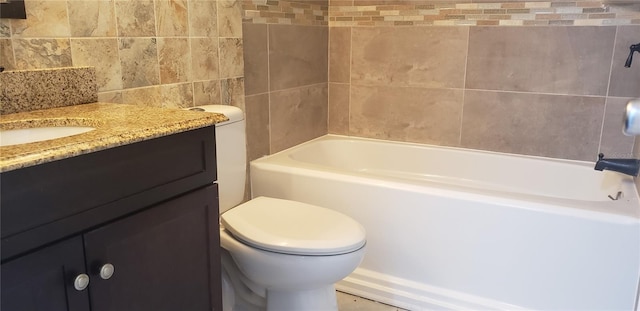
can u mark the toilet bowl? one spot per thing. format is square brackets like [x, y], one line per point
[277, 255]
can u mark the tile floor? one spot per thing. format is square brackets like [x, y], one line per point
[348, 302]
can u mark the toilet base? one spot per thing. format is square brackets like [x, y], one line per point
[321, 299]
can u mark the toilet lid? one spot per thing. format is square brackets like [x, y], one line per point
[291, 227]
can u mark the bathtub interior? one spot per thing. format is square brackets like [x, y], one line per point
[576, 180]
[434, 248]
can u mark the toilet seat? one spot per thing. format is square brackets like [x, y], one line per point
[294, 228]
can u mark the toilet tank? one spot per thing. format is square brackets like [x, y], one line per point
[231, 150]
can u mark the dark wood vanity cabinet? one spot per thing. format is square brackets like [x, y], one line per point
[160, 238]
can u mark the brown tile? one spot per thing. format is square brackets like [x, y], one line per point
[338, 118]
[557, 126]
[110, 97]
[297, 55]
[92, 18]
[177, 95]
[171, 18]
[232, 92]
[231, 57]
[6, 54]
[44, 19]
[257, 114]
[409, 56]
[625, 82]
[144, 96]
[5, 28]
[203, 18]
[297, 115]
[174, 58]
[613, 143]
[42, 53]
[229, 19]
[204, 57]
[139, 62]
[103, 55]
[340, 54]
[135, 18]
[562, 60]
[256, 58]
[412, 114]
[206, 93]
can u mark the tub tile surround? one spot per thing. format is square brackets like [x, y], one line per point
[185, 52]
[483, 13]
[554, 91]
[286, 73]
[411, 65]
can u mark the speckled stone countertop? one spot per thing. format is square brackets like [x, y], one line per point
[116, 125]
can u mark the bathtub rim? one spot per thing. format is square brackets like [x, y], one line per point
[625, 210]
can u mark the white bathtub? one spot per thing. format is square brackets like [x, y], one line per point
[457, 229]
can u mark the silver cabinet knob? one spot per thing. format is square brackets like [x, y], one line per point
[81, 282]
[106, 271]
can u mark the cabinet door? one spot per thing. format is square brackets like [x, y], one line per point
[164, 258]
[44, 280]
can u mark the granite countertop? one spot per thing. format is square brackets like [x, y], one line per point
[116, 125]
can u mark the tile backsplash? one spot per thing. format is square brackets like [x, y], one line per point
[171, 53]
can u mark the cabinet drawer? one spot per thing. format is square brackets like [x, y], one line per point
[63, 197]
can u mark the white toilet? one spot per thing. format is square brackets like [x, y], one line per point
[277, 255]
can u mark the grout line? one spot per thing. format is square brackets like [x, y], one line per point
[270, 125]
[604, 112]
[464, 85]
[350, 80]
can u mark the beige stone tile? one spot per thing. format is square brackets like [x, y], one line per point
[5, 28]
[6, 54]
[557, 126]
[257, 116]
[203, 18]
[230, 19]
[204, 57]
[177, 95]
[415, 56]
[110, 97]
[297, 56]
[44, 19]
[338, 118]
[625, 82]
[92, 18]
[103, 55]
[410, 114]
[340, 54]
[175, 60]
[42, 53]
[232, 92]
[135, 18]
[613, 143]
[256, 58]
[231, 58]
[206, 93]
[562, 60]
[139, 61]
[172, 18]
[145, 96]
[297, 115]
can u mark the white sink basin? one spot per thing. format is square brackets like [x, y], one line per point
[34, 134]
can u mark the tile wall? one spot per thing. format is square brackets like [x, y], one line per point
[286, 70]
[543, 89]
[171, 53]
